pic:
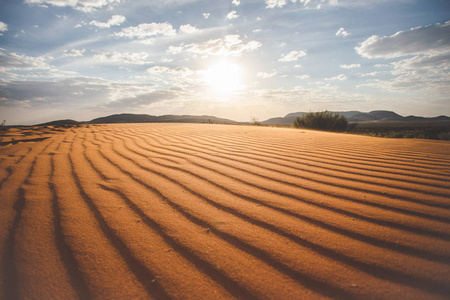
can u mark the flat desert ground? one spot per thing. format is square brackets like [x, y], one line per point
[199, 211]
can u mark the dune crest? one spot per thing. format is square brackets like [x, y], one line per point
[196, 211]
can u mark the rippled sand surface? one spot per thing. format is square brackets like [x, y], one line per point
[197, 211]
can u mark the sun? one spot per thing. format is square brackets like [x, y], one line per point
[224, 77]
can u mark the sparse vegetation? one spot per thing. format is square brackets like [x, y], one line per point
[433, 133]
[323, 120]
[256, 121]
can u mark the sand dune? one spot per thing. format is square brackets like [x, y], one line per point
[178, 211]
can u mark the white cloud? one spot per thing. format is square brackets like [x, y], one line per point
[265, 75]
[137, 58]
[431, 82]
[115, 20]
[319, 4]
[305, 2]
[175, 49]
[82, 5]
[303, 76]
[14, 61]
[146, 30]
[206, 15]
[3, 27]
[427, 71]
[292, 56]
[333, 2]
[430, 40]
[74, 52]
[188, 28]
[340, 77]
[429, 79]
[342, 32]
[232, 15]
[230, 45]
[275, 3]
[236, 2]
[352, 66]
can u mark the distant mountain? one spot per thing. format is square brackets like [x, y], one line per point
[352, 116]
[124, 118]
[60, 123]
[135, 118]
[357, 116]
[376, 115]
[280, 120]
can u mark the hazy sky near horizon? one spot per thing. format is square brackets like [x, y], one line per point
[237, 59]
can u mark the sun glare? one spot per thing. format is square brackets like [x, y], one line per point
[224, 77]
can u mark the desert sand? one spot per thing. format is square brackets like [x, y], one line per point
[199, 211]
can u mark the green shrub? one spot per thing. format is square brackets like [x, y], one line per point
[323, 120]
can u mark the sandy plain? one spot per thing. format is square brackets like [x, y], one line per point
[200, 211]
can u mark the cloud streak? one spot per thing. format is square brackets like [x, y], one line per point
[340, 77]
[82, 5]
[351, 66]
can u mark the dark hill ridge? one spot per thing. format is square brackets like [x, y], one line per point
[357, 116]
[385, 115]
[134, 118]
[352, 116]
[60, 123]
[143, 118]
[124, 118]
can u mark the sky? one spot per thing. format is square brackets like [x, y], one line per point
[235, 59]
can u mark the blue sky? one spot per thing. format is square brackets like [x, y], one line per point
[236, 59]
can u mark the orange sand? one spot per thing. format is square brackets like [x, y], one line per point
[178, 211]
